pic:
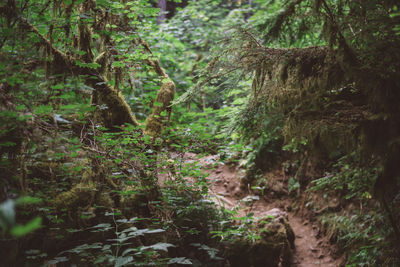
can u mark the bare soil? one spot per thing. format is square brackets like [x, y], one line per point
[311, 249]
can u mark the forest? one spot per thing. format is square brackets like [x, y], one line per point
[237, 133]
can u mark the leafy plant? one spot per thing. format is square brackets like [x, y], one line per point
[354, 183]
[118, 251]
[8, 222]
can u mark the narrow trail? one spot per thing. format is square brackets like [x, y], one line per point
[310, 248]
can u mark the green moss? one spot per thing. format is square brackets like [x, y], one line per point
[111, 107]
[313, 92]
[161, 110]
[81, 195]
[272, 248]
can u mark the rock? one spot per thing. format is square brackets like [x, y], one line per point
[276, 213]
[218, 181]
[272, 248]
[278, 188]
[222, 201]
[237, 192]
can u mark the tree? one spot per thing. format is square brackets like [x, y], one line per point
[99, 49]
[335, 102]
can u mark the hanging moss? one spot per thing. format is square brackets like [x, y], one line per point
[314, 93]
[161, 110]
[112, 108]
[163, 103]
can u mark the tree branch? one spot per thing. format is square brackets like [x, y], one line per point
[118, 111]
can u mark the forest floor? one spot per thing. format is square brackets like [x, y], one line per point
[311, 249]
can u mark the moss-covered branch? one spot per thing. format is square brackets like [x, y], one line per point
[112, 108]
[162, 105]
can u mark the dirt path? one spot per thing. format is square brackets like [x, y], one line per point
[310, 249]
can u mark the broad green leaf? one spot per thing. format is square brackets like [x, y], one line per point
[180, 260]
[27, 200]
[121, 261]
[57, 260]
[154, 231]
[42, 109]
[158, 104]
[159, 246]
[118, 64]
[21, 230]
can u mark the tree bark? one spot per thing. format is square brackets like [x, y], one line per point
[162, 5]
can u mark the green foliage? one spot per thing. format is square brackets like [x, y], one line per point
[8, 222]
[295, 145]
[288, 23]
[355, 183]
[118, 251]
[90, 179]
[242, 229]
[318, 117]
[260, 135]
[184, 43]
[293, 185]
[362, 234]
[52, 147]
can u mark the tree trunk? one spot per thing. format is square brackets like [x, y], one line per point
[162, 5]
